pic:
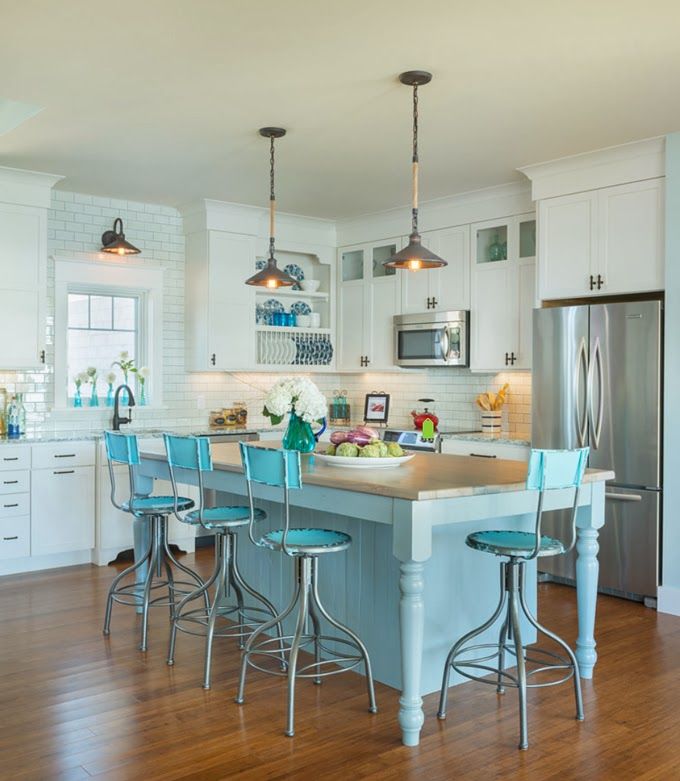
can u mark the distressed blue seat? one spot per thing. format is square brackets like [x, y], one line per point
[308, 542]
[153, 512]
[236, 620]
[513, 543]
[548, 470]
[282, 469]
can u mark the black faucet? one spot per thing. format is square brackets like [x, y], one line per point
[117, 420]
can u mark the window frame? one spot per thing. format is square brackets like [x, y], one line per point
[144, 280]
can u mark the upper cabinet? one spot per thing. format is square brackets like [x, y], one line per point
[502, 259]
[444, 289]
[24, 200]
[602, 242]
[369, 298]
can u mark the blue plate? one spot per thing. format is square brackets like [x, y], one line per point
[301, 308]
[260, 264]
[270, 306]
[293, 270]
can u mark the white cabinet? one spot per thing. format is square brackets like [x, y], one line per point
[602, 242]
[62, 510]
[482, 450]
[219, 306]
[369, 299]
[23, 285]
[445, 289]
[503, 274]
[15, 502]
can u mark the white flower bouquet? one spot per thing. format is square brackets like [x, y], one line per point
[298, 395]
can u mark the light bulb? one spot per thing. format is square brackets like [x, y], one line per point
[121, 250]
[414, 264]
[272, 283]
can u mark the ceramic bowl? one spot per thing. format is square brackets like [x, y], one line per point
[304, 321]
[310, 285]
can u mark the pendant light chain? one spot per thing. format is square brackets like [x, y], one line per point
[272, 198]
[414, 210]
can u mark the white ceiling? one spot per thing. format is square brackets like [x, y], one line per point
[160, 100]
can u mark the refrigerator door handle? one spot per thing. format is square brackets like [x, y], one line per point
[580, 419]
[623, 497]
[596, 424]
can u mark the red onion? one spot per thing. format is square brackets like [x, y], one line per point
[366, 431]
[359, 438]
[338, 437]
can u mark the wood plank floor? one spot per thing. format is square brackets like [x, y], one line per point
[76, 705]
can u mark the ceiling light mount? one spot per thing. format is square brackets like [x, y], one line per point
[415, 257]
[271, 275]
[115, 243]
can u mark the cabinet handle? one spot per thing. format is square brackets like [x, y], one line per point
[364, 360]
[482, 455]
[434, 302]
[507, 359]
[16, 537]
[10, 482]
[212, 359]
[13, 458]
[429, 302]
[64, 455]
[11, 505]
[42, 356]
[367, 360]
[600, 281]
[64, 472]
[592, 282]
[513, 358]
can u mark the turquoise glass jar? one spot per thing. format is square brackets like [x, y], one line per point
[299, 435]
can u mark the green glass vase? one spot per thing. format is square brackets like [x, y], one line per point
[299, 435]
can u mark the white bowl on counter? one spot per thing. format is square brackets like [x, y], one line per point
[310, 285]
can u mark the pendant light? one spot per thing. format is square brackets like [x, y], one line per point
[271, 275]
[415, 257]
[114, 241]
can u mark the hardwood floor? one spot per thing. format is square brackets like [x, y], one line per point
[74, 704]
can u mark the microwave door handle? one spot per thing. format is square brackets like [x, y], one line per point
[446, 345]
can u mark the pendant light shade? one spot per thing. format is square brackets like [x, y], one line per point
[271, 275]
[114, 241]
[415, 257]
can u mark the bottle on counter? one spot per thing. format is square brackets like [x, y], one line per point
[3, 410]
[22, 413]
[16, 416]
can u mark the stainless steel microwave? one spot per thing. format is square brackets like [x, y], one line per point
[432, 339]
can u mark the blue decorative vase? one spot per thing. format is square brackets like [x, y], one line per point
[77, 400]
[299, 435]
[142, 394]
[109, 396]
[94, 399]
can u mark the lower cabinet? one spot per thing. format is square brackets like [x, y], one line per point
[62, 510]
[481, 450]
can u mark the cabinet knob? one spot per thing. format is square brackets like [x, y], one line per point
[212, 359]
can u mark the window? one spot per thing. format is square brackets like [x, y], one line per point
[100, 327]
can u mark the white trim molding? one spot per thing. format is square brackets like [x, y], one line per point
[668, 600]
[27, 188]
[607, 167]
[98, 271]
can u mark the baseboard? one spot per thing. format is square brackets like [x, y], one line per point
[668, 600]
[50, 561]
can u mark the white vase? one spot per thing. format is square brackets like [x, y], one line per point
[491, 421]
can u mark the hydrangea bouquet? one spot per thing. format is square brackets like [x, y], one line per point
[306, 404]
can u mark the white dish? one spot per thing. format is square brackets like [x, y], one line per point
[310, 285]
[351, 462]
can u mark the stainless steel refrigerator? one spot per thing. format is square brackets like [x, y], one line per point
[597, 381]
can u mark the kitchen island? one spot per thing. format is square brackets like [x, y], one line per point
[408, 585]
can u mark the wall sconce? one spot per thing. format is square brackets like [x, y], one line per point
[114, 241]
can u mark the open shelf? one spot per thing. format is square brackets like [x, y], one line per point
[283, 329]
[286, 293]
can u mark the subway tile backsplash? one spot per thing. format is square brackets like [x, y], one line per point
[76, 222]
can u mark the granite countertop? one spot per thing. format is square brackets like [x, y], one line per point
[38, 436]
[504, 437]
[426, 476]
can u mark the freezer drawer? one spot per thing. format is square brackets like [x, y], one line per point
[628, 556]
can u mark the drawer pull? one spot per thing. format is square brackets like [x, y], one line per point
[13, 458]
[10, 482]
[64, 455]
[482, 455]
[16, 504]
[64, 472]
[16, 537]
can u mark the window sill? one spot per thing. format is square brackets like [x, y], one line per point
[87, 410]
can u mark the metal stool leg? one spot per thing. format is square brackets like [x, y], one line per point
[195, 577]
[121, 576]
[256, 634]
[220, 593]
[372, 707]
[305, 576]
[556, 638]
[316, 625]
[519, 652]
[441, 713]
[503, 637]
[155, 553]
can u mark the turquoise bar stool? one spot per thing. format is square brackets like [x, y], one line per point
[238, 620]
[158, 558]
[282, 469]
[549, 470]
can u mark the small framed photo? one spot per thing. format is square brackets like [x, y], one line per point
[377, 407]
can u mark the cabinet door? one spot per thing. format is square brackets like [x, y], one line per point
[526, 292]
[567, 245]
[383, 303]
[231, 303]
[351, 326]
[494, 316]
[450, 285]
[19, 317]
[62, 510]
[631, 237]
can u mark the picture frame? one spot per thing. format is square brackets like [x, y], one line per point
[377, 407]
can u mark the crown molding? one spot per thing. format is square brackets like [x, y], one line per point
[27, 188]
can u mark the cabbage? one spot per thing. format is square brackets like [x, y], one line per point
[370, 451]
[347, 449]
[382, 446]
[330, 450]
[395, 450]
